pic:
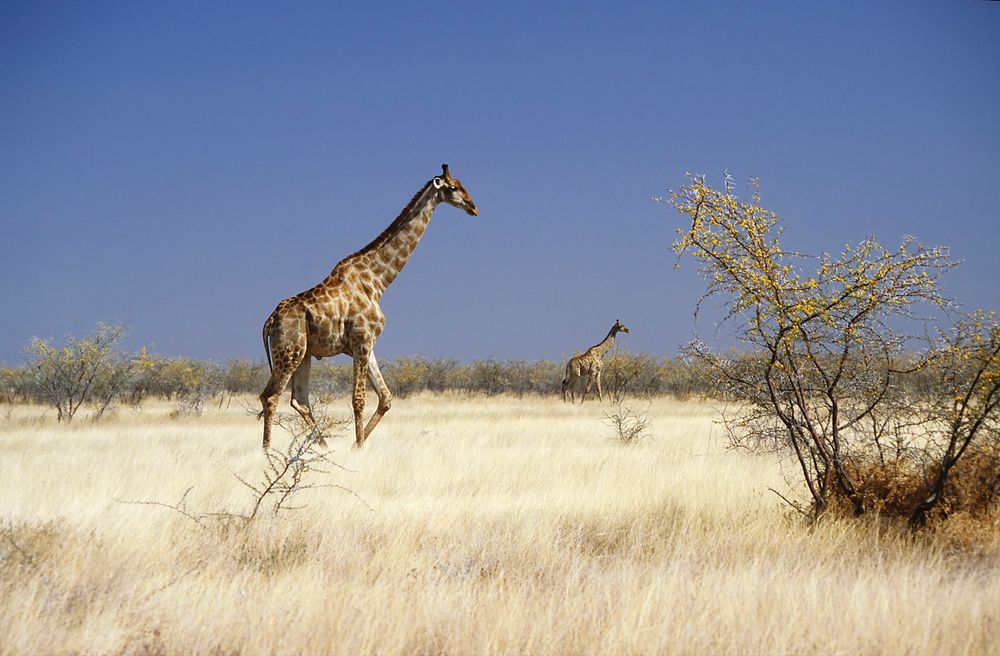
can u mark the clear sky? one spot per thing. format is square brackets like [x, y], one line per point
[181, 167]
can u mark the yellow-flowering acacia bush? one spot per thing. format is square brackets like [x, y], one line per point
[963, 421]
[826, 373]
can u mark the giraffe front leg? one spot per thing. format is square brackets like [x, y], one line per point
[358, 400]
[384, 395]
[600, 394]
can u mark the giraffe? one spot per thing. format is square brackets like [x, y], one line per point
[588, 365]
[341, 314]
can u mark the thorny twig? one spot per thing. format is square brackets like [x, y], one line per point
[284, 475]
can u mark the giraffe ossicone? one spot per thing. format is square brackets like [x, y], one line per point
[341, 314]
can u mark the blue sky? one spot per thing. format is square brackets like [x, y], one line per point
[181, 167]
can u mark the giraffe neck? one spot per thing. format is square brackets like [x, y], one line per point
[387, 254]
[606, 344]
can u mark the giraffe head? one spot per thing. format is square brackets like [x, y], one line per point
[451, 191]
[619, 327]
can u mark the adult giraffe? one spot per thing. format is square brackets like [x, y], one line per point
[588, 365]
[341, 314]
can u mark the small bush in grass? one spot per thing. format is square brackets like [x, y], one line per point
[628, 426]
[286, 473]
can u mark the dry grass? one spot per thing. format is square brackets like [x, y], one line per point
[496, 526]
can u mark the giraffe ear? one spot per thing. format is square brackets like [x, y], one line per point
[438, 183]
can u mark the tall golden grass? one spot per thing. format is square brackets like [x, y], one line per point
[496, 525]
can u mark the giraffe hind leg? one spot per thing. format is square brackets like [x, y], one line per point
[300, 397]
[285, 363]
[269, 400]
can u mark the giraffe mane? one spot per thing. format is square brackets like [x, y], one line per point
[394, 227]
[610, 335]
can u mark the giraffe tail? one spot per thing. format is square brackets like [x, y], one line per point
[569, 372]
[265, 333]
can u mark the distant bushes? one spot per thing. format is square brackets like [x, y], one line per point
[94, 370]
[625, 374]
[97, 371]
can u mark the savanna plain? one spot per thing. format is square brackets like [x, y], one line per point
[467, 525]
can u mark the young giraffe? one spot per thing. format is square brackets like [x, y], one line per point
[588, 365]
[341, 314]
